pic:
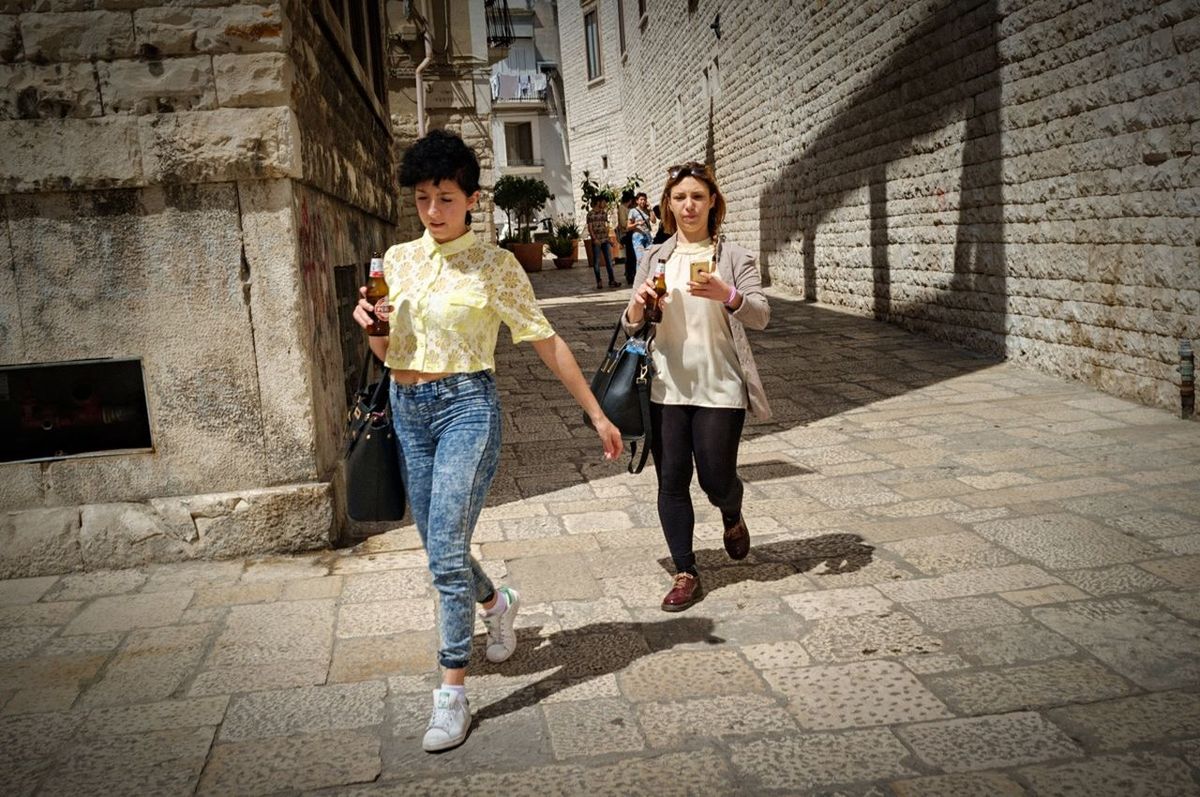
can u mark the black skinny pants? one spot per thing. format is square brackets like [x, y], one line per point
[708, 437]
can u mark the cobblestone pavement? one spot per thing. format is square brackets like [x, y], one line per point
[967, 579]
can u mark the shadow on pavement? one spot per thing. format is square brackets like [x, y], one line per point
[840, 553]
[581, 654]
[575, 656]
[814, 362]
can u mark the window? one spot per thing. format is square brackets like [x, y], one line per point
[591, 33]
[355, 27]
[621, 24]
[71, 409]
[518, 143]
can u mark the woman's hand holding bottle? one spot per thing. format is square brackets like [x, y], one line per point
[365, 313]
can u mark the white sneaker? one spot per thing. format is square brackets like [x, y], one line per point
[450, 721]
[501, 638]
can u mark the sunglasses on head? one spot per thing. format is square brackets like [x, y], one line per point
[688, 170]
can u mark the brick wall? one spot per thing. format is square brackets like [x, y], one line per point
[1017, 177]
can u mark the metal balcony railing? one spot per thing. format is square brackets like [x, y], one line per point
[499, 23]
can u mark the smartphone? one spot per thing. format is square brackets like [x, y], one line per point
[697, 267]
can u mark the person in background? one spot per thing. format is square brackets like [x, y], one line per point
[628, 199]
[660, 233]
[639, 230]
[597, 224]
[448, 293]
[706, 375]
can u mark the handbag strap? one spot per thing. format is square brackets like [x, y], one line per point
[645, 332]
[643, 386]
[364, 377]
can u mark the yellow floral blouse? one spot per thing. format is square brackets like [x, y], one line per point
[448, 301]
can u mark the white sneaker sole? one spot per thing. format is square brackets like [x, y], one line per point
[437, 747]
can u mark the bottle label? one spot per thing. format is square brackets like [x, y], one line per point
[377, 267]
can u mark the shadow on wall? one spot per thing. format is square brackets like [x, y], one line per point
[944, 78]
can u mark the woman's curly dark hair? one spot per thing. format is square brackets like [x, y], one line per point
[440, 155]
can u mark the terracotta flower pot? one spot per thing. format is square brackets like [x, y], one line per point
[564, 262]
[528, 255]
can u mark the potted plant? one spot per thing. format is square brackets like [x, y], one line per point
[522, 197]
[565, 227]
[563, 250]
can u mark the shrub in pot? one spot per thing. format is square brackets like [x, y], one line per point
[522, 197]
[563, 250]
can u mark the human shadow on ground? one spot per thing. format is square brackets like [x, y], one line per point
[575, 656]
[840, 553]
[578, 655]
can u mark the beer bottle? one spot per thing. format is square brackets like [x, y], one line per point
[377, 293]
[660, 290]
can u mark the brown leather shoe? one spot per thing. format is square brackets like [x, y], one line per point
[685, 591]
[737, 539]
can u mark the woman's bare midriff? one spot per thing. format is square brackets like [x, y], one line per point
[416, 377]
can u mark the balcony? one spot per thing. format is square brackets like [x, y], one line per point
[499, 29]
[523, 89]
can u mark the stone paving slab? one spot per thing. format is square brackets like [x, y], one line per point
[967, 579]
[989, 742]
[311, 761]
[1151, 647]
[1115, 776]
[858, 695]
[1041, 685]
[1126, 722]
[160, 762]
[983, 784]
[314, 709]
[809, 761]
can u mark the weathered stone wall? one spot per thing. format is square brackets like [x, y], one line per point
[1018, 177]
[345, 148]
[179, 184]
[90, 286]
[602, 122]
[143, 95]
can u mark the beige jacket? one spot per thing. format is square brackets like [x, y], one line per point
[739, 267]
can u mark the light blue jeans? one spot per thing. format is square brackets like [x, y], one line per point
[641, 242]
[449, 434]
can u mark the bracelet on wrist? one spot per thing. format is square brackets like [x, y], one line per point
[732, 296]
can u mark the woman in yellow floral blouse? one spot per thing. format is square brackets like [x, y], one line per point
[448, 294]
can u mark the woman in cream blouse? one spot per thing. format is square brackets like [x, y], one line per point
[448, 294]
[706, 377]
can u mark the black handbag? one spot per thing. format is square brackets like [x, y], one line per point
[622, 387]
[374, 481]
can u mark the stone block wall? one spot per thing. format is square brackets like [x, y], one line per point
[179, 183]
[1017, 177]
[602, 127]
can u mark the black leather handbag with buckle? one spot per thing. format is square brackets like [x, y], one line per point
[622, 387]
[374, 480]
